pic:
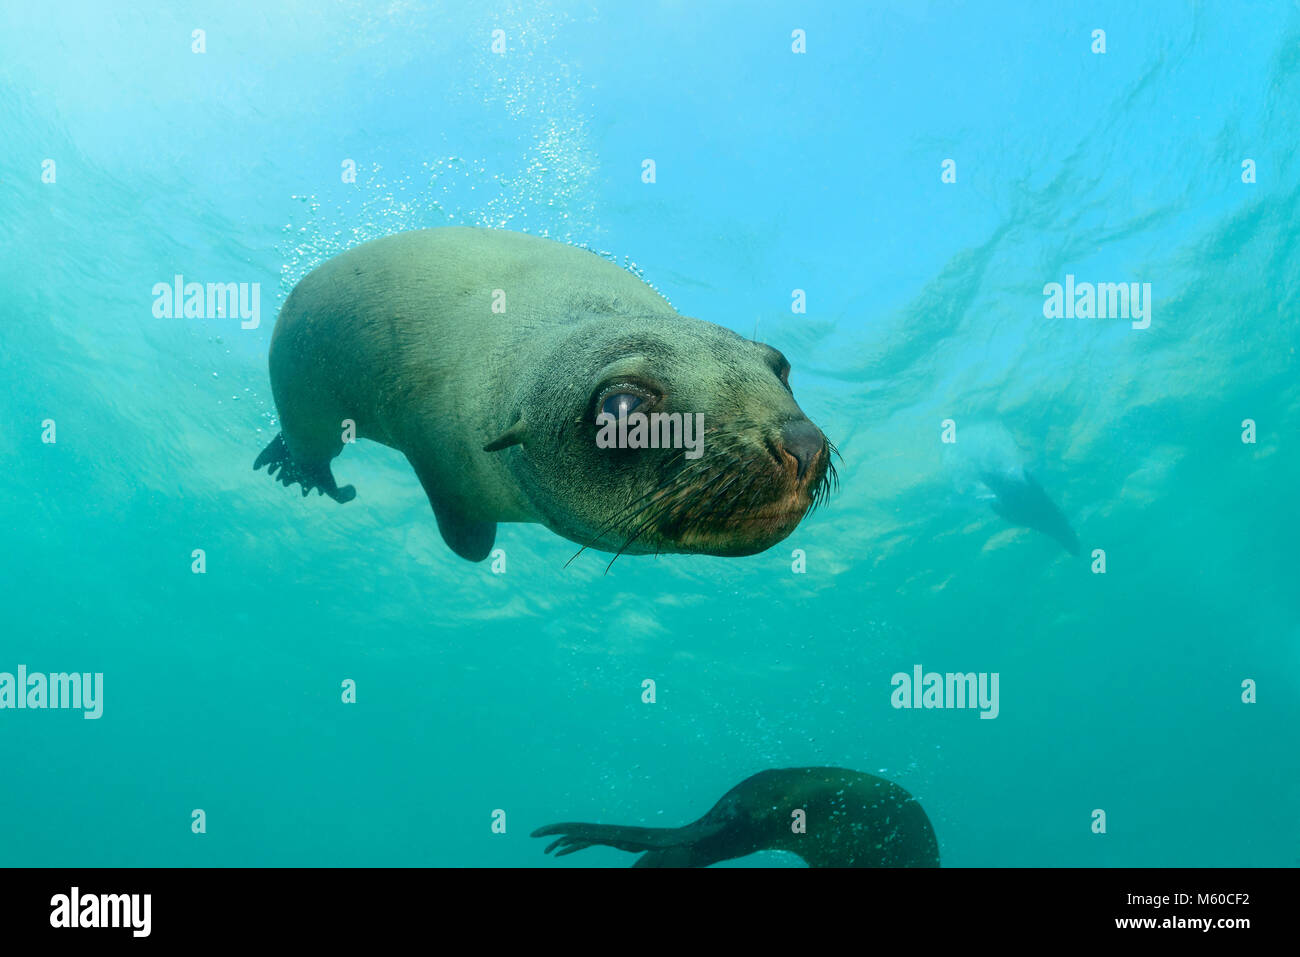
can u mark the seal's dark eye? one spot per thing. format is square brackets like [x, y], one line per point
[620, 403]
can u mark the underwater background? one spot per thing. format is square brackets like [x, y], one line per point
[776, 171]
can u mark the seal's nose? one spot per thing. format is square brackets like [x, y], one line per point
[802, 441]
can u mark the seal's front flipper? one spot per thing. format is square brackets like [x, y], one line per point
[576, 837]
[469, 539]
[276, 457]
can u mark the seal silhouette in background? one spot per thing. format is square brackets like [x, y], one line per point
[485, 356]
[851, 819]
[986, 462]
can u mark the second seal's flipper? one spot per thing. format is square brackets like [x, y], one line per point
[276, 458]
[577, 837]
[662, 846]
[681, 855]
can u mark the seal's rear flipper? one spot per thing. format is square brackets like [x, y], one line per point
[577, 837]
[276, 457]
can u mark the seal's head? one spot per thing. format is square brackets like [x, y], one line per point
[666, 435]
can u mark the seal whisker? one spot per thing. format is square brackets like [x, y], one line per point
[828, 484]
[686, 504]
[675, 494]
[633, 509]
[639, 531]
[627, 514]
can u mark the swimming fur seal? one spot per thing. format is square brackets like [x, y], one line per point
[852, 820]
[485, 356]
[985, 460]
[1021, 501]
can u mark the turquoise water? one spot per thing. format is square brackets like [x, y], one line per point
[775, 171]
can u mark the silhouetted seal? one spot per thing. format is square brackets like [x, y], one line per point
[852, 820]
[986, 461]
[485, 356]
